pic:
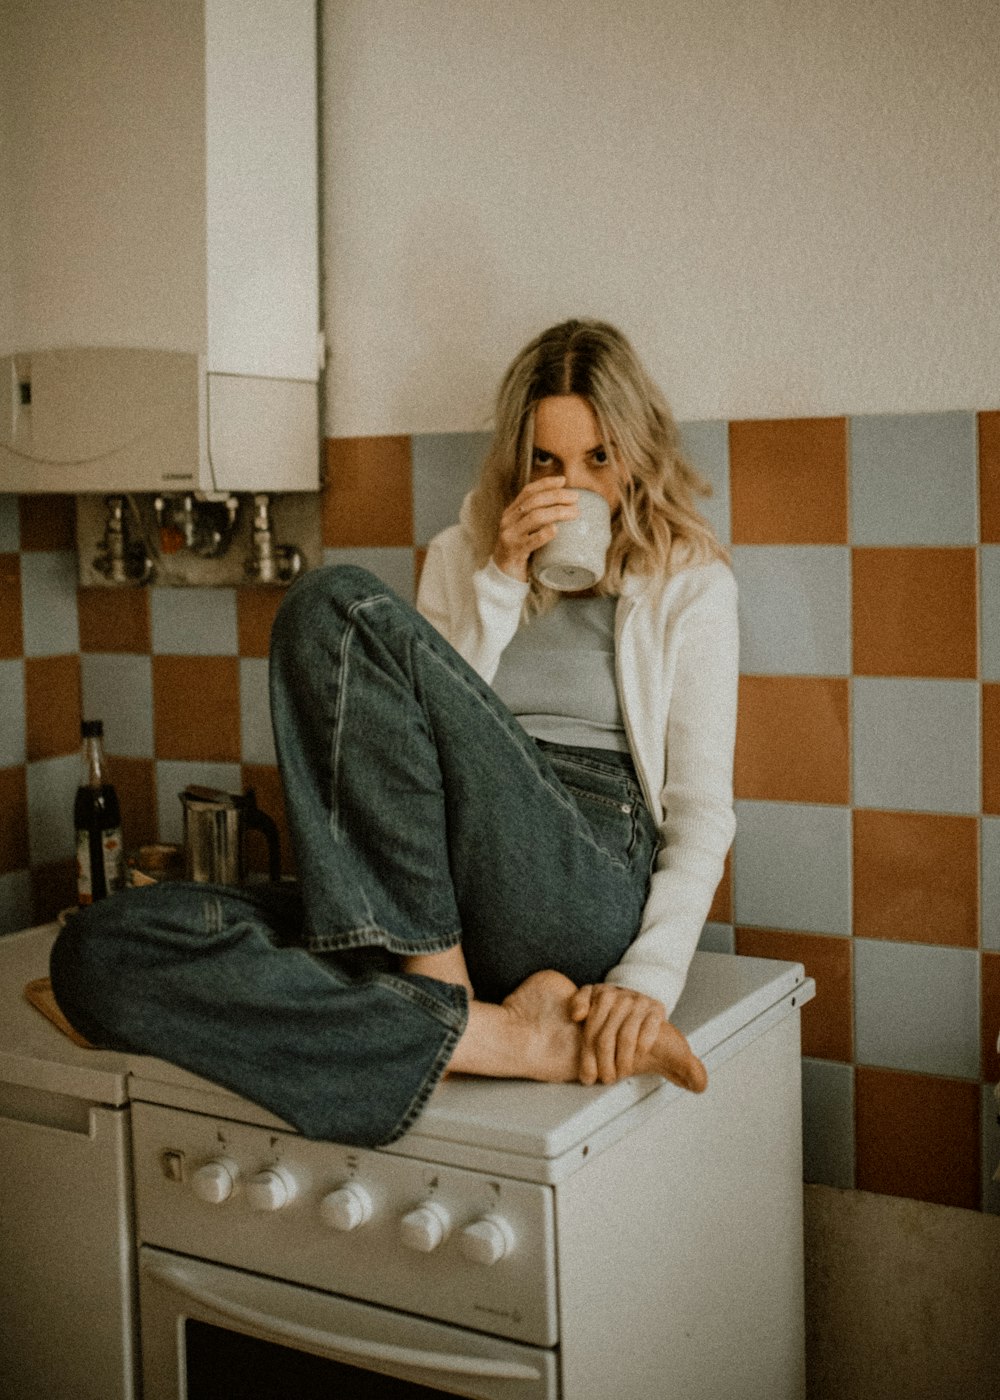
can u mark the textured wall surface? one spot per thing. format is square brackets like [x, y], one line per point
[789, 207]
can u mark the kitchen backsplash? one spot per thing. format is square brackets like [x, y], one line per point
[868, 758]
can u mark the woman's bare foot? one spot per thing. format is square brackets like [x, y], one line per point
[540, 1013]
[530, 1035]
[673, 1057]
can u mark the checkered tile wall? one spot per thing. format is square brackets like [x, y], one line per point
[868, 759]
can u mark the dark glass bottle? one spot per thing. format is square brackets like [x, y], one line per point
[100, 852]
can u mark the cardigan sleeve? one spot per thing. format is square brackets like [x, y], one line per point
[476, 610]
[697, 797]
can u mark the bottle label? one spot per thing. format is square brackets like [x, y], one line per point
[113, 859]
[84, 883]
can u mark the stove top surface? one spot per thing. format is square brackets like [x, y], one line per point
[727, 1001]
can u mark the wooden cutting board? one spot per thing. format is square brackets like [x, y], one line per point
[40, 994]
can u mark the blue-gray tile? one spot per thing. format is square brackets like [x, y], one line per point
[916, 745]
[991, 1150]
[52, 784]
[717, 938]
[256, 734]
[706, 446]
[118, 689]
[172, 777]
[445, 467]
[914, 479]
[989, 577]
[194, 621]
[827, 1123]
[15, 901]
[792, 867]
[991, 883]
[10, 525]
[48, 603]
[393, 564]
[916, 1007]
[12, 718]
[795, 609]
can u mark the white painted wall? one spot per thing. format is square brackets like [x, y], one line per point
[6, 232]
[790, 205]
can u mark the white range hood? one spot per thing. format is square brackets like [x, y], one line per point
[163, 206]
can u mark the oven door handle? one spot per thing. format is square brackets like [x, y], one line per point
[330, 1343]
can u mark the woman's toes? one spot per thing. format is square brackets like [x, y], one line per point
[672, 1057]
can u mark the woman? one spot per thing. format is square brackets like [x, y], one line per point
[478, 892]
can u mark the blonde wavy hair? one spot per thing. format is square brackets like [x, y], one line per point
[658, 528]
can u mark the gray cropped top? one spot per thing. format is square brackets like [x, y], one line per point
[557, 675]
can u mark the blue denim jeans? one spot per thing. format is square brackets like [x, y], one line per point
[422, 815]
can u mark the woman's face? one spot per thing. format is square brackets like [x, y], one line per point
[568, 443]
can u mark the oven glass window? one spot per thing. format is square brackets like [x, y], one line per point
[224, 1365]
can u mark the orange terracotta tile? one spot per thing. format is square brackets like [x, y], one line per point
[788, 481]
[915, 612]
[827, 1021]
[266, 783]
[792, 739]
[53, 888]
[135, 784]
[991, 749]
[196, 711]
[14, 826]
[114, 619]
[991, 1016]
[368, 492]
[47, 522]
[721, 911]
[918, 1136]
[916, 877]
[256, 609]
[52, 705]
[11, 623]
[989, 477]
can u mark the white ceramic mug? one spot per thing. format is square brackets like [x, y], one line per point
[575, 559]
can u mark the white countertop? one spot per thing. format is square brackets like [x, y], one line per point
[728, 1000]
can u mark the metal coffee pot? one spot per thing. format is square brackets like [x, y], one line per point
[215, 828]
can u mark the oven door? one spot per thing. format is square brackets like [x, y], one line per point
[214, 1333]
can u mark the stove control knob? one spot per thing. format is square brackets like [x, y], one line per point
[347, 1207]
[214, 1181]
[271, 1189]
[425, 1228]
[488, 1240]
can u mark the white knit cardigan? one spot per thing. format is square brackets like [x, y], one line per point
[676, 660]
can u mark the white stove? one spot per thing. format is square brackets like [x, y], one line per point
[525, 1241]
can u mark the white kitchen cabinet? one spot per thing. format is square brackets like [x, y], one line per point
[68, 1328]
[66, 1248]
[163, 198]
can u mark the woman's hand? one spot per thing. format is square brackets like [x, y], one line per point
[530, 521]
[620, 1031]
[627, 1033]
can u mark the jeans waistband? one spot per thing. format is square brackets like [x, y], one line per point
[611, 760]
